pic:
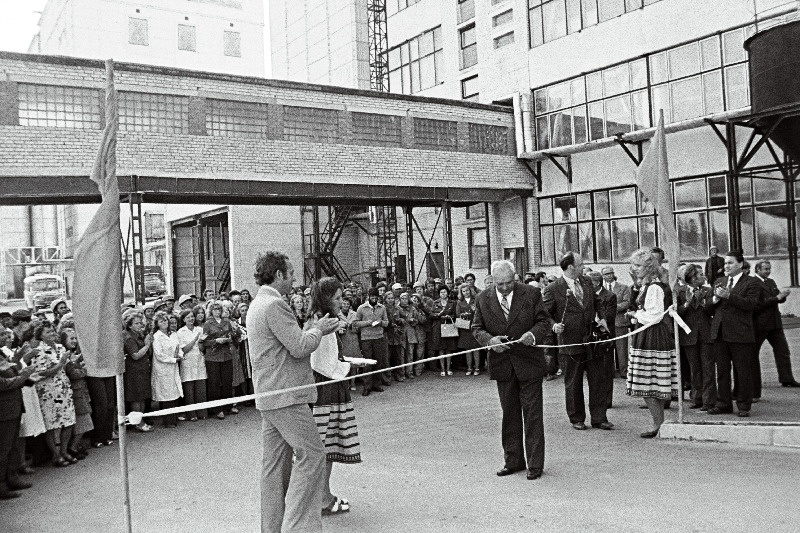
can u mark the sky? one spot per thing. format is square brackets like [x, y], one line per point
[19, 19]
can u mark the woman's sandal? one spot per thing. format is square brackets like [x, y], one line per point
[60, 462]
[70, 459]
[338, 506]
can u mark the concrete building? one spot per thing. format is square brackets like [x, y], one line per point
[207, 35]
[589, 70]
[320, 41]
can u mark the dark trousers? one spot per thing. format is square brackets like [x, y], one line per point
[9, 451]
[574, 368]
[783, 361]
[704, 373]
[377, 349]
[103, 394]
[169, 420]
[521, 402]
[219, 379]
[740, 354]
[608, 371]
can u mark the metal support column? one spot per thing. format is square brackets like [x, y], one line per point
[791, 215]
[407, 210]
[317, 246]
[448, 240]
[732, 179]
[137, 234]
[525, 235]
[488, 235]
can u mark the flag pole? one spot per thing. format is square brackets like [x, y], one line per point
[678, 356]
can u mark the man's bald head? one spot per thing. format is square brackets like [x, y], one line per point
[503, 275]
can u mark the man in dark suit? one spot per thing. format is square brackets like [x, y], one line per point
[692, 300]
[572, 302]
[510, 311]
[732, 330]
[621, 320]
[769, 327]
[606, 313]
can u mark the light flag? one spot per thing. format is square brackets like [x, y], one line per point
[97, 284]
[652, 178]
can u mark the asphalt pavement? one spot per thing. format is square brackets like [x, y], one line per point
[430, 450]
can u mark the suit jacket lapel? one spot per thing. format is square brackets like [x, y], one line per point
[494, 305]
[516, 304]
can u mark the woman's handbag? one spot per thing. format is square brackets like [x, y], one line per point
[449, 329]
[463, 323]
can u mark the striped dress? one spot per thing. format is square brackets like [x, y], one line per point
[652, 367]
[334, 413]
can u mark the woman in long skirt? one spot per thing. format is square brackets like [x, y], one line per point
[333, 411]
[652, 368]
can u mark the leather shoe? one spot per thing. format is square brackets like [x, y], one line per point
[365, 392]
[18, 484]
[377, 389]
[506, 471]
[534, 474]
[580, 426]
[719, 411]
[740, 414]
[792, 383]
[603, 425]
[649, 434]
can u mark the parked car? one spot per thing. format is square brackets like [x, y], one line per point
[42, 289]
[153, 285]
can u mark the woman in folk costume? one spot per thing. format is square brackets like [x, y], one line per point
[333, 411]
[652, 368]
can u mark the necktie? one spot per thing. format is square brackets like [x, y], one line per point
[730, 283]
[578, 292]
[505, 306]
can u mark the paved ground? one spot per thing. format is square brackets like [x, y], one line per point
[431, 449]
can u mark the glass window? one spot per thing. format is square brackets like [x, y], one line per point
[578, 90]
[426, 45]
[618, 115]
[647, 232]
[137, 31]
[737, 89]
[503, 18]
[554, 17]
[466, 10]
[616, 80]
[548, 246]
[565, 209]
[187, 39]
[632, 5]
[690, 194]
[579, 124]
[709, 50]
[586, 241]
[589, 13]
[609, 9]
[415, 65]
[661, 101]
[48, 106]
[573, 16]
[658, 68]
[236, 119]
[546, 211]
[733, 46]
[638, 74]
[624, 238]
[603, 240]
[585, 206]
[596, 122]
[623, 202]
[692, 234]
[594, 84]
[717, 191]
[469, 47]
[748, 239]
[712, 92]
[503, 40]
[684, 61]
[535, 27]
[542, 133]
[745, 193]
[478, 248]
[687, 99]
[559, 96]
[601, 204]
[769, 190]
[771, 229]
[645, 205]
[561, 128]
[469, 87]
[719, 229]
[476, 211]
[641, 110]
[232, 44]
[163, 113]
[566, 237]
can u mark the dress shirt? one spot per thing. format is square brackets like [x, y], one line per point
[508, 298]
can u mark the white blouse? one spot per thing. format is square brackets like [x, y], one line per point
[193, 366]
[653, 310]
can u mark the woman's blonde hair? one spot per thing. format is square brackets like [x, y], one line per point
[651, 269]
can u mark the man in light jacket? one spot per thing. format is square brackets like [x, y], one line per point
[280, 352]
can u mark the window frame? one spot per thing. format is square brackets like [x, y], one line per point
[472, 47]
[473, 265]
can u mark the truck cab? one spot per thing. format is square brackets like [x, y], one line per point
[42, 289]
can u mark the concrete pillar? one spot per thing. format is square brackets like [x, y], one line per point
[495, 232]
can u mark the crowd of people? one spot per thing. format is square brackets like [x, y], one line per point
[192, 349]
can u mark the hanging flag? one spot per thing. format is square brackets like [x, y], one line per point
[652, 178]
[96, 288]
